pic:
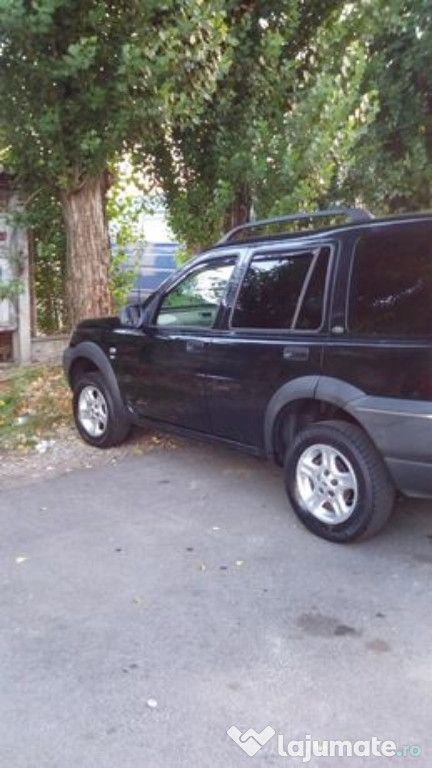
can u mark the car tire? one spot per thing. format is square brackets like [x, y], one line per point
[99, 419]
[337, 483]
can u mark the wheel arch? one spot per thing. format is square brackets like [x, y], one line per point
[303, 401]
[86, 357]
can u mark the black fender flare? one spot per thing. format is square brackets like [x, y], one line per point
[331, 390]
[88, 350]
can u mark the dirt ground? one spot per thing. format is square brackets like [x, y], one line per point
[66, 452]
[38, 439]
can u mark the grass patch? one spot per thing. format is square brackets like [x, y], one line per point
[34, 403]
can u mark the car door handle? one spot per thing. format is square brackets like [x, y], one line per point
[295, 352]
[194, 345]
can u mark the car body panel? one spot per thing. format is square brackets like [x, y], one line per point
[161, 375]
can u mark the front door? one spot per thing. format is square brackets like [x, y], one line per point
[162, 367]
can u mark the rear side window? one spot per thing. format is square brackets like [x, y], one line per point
[282, 291]
[391, 284]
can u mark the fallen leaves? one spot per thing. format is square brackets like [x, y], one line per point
[35, 402]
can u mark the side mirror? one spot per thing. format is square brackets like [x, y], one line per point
[132, 315]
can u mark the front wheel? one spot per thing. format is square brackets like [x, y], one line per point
[98, 418]
[337, 483]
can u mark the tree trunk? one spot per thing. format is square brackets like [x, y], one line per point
[239, 210]
[88, 253]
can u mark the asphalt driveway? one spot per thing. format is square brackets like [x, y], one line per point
[147, 606]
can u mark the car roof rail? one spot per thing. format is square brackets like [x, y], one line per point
[355, 216]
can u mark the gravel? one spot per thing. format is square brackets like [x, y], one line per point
[67, 452]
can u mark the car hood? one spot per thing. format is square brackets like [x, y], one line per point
[102, 323]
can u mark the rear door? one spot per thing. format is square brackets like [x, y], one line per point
[273, 332]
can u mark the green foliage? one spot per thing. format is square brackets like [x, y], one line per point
[182, 256]
[231, 106]
[308, 164]
[43, 217]
[211, 172]
[82, 81]
[49, 282]
[321, 105]
[125, 204]
[122, 278]
[393, 168]
[11, 290]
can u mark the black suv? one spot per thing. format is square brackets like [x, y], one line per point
[312, 346]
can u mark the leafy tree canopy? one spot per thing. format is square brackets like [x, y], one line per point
[81, 79]
[393, 159]
[210, 170]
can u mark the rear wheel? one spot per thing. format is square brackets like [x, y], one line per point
[337, 482]
[98, 418]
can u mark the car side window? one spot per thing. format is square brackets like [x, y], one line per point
[282, 291]
[311, 309]
[391, 283]
[195, 300]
